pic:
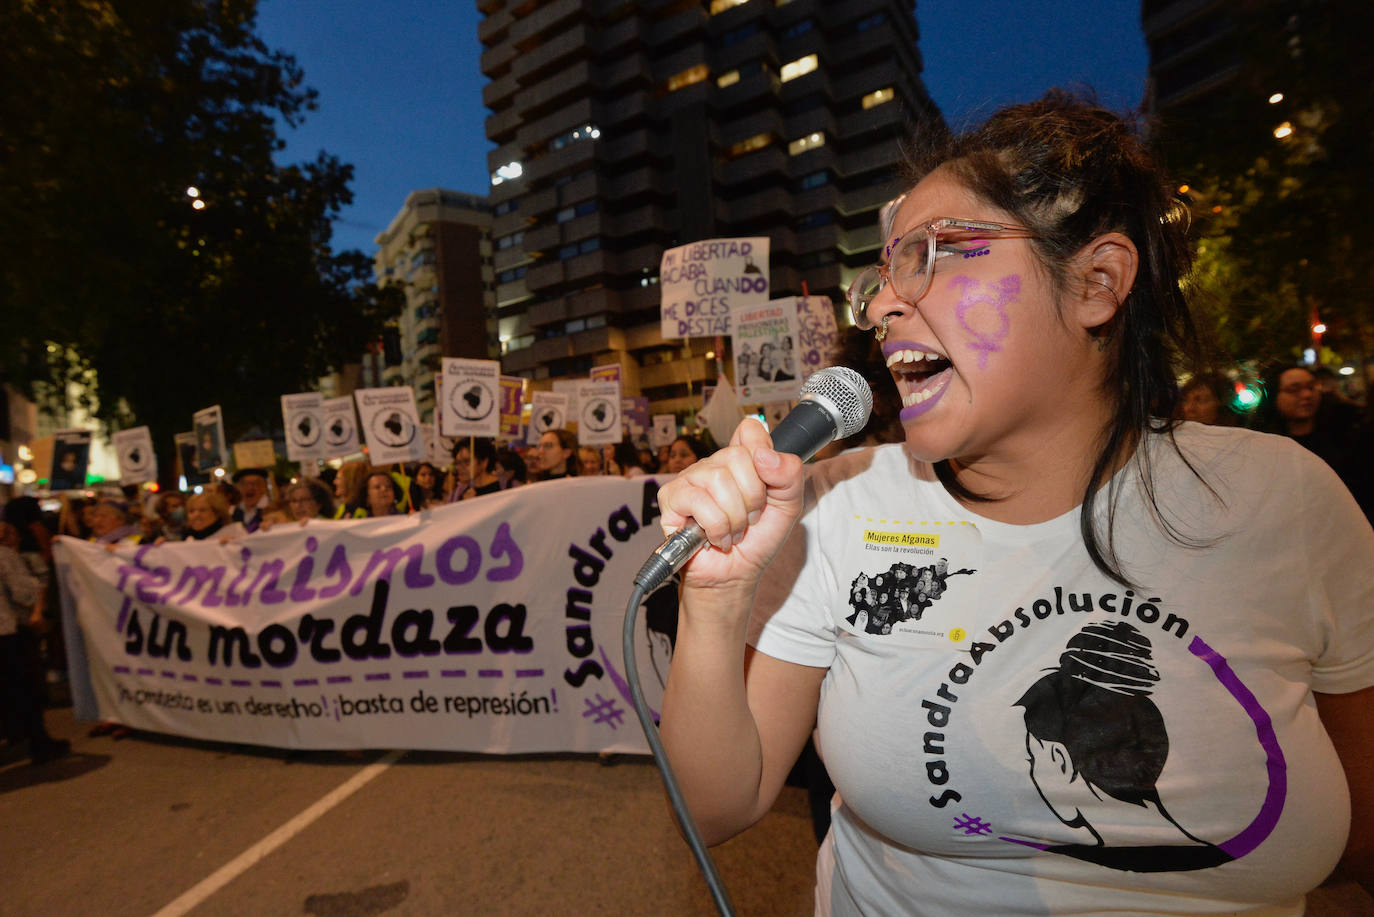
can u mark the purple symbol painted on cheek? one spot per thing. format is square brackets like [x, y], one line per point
[887, 251]
[992, 297]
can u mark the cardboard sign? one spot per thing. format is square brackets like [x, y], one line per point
[303, 420]
[208, 425]
[598, 413]
[255, 453]
[663, 431]
[548, 411]
[137, 460]
[340, 427]
[390, 424]
[704, 282]
[71, 456]
[469, 397]
[765, 349]
[512, 406]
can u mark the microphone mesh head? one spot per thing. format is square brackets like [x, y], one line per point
[847, 391]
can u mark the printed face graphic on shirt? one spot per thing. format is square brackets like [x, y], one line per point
[901, 593]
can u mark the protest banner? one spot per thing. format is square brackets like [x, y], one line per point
[703, 282]
[137, 458]
[302, 418]
[664, 430]
[598, 417]
[512, 406]
[468, 400]
[255, 453]
[208, 425]
[491, 626]
[71, 457]
[390, 424]
[548, 411]
[609, 373]
[340, 427]
[817, 334]
[765, 348]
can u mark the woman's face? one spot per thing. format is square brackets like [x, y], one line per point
[588, 461]
[553, 458]
[462, 465]
[380, 497]
[424, 476]
[302, 504]
[1299, 395]
[1201, 405]
[680, 456]
[983, 363]
[340, 490]
[200, 515]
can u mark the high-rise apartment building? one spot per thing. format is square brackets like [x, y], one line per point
[438, 249]
[1193, 53]
[626, 128]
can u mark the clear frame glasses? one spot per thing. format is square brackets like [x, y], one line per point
[909, 260]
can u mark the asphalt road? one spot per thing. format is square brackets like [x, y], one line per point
[153, 826]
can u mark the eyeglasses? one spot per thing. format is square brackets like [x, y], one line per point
[910, 259]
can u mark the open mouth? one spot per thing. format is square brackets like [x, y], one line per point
[922, 375]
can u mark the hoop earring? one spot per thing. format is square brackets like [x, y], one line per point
[1116, 299]
[880, 334]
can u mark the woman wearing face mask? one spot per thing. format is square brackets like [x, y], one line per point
[1202, 595]
[170, 507]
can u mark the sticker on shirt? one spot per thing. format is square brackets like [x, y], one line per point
[912, 581]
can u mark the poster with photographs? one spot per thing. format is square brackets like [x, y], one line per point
[186, 459]
[208, 425]
[390, 424]
[512, 406]
[302, 418]
[765, 348]
[634, 416]
[340, 428]
[703, 283]
[137, 460]
[71, 456]
[548, 411]
[663, 431]
[818, 336]
[469, 397]
[598, 413]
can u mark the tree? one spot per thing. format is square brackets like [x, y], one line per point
[1283, 216]
[153, 245]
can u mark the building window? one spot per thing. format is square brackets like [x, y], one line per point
[819, 218]
[863, 25]
[585, 132]
[799, 67]
[815, 180]
[808, 102]
[596, 321]
[720, 6]
[688, 77]
[809, 142]
[877, 97]
[511, 275]
[749, 145]
[577, 324]
[509, 172]
[736, 35]
[511, 240]
[506, 207]
[799, 28]
[727, 79]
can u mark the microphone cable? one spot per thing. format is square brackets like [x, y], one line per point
[684, 817]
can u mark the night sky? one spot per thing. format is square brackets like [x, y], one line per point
[401, 90]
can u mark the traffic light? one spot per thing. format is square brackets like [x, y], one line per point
[1247, 397]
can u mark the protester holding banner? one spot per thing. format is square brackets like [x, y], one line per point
[426, 489]
[556, 451]
[382, 495]
[110, 524]
[348, 491]
[1063, 654]
[170, 509]
[253, 497]
[510, 468]
[309, 498]
[208, 516]
[481, 457]
[589, 463]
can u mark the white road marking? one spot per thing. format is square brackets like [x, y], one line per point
[244, 861]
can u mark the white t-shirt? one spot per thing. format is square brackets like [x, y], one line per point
[1011, 732]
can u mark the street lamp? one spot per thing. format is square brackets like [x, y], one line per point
[1283, 130]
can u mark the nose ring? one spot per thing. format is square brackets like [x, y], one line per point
[881, 334]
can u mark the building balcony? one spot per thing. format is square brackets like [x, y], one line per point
[771, 203]
[678, 28]
[509, 294]
[506, 152]
[629, 185]
[822, 237]
[592, 302]
[493, 27]
[572, 83]
[885, 155]
[560, 122]
[519, 361]
[886, 117]
[678, 372]
[499, 91]
[495, 60]
[862, 238]
[554, 312]
[871, 197]
[596, 340]
[501, 127]
[748, 169]
[572, 158]
[544, 21]
[546, 350]
[647, 219]
[552, 56]
[753, 90]
[507, 258]
[625, 71]
[758, 46]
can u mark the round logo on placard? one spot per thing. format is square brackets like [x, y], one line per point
[339, 431]
[472, 399]
[547, 418]
[393, 428]
[136, 457]
[305, 429]
[599, 414]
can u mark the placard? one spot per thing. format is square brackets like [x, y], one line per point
[254, 453]
[208, 425]
[303, 420]
[186, 459]
[598, 413]
[609, 373]
[765, 349]
[137, 460]
[390, 424]
[663, 431]
[71, 456]
[817, 334]
[340, 428]
[469, 396]
[634, 417]
[512, 406]
[548, 411]
[704, 282]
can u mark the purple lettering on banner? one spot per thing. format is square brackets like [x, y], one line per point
[303, 682]
[146, 672]
[990, 313]
[529, 673]
[385, 561]
[488, 673]
[268, 683]
[123, 615]
[240, 683]
[121, 669]
[503, 545]
[187, 676]
[214, 681]
[454, 673]
[377, 676]
[443, 560]
[415, 674]
[171, 675]
[339, 679]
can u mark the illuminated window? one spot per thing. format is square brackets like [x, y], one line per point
[585, 132]
[750, 144]
[727, 79]
[799, 67]
[878, 97]
[720, 6]
[809, 142]
[508, 172]
[688, 77]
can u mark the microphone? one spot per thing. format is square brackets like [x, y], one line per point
[835, 403]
